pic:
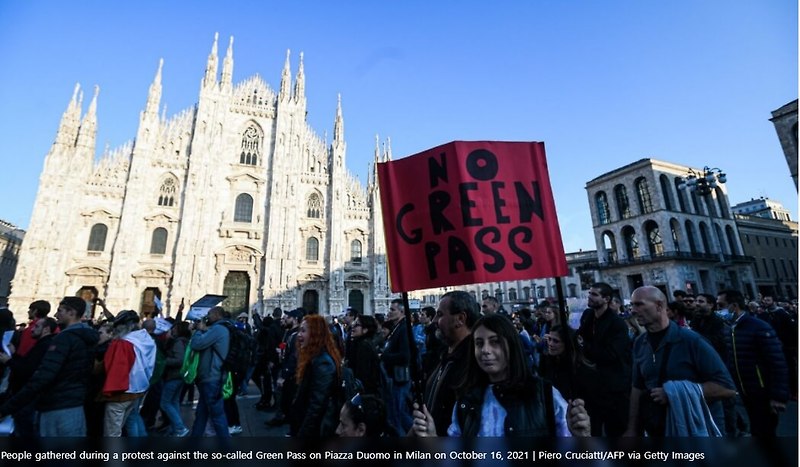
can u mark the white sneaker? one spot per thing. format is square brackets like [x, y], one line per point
[182, 433]
[235, 429]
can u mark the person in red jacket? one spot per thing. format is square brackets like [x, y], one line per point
[36, 311]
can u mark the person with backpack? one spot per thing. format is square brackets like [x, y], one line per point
[212, 340]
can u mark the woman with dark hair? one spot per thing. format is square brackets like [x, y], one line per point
[313, 412]
[363, 415]
[564, 365]
[500, 397]
[362, 357]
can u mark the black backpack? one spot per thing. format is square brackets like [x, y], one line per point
[241, 350]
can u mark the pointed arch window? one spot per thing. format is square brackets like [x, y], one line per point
[643, 196]
[312, 249]
[158, 244]
[603, 213]
[314, 206]
[97, 238]
[623, 205]
[251, 146]
[243, 211]
[355, 251]
[167, 192]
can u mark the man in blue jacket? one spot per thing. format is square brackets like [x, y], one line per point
[212, 340]
[757, 365]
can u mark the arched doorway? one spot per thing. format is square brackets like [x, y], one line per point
[237, 290]
[355, 299]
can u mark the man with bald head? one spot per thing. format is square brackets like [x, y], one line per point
[667, 353]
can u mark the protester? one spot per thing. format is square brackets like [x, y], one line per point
[60, 383]
[129, 364]
[668, 359]
[23, 367]
[603, 337]
[457, 313]
[396, 359]
[500, 396]
[314, 408]
[362, 357]
[363, 415]
[173, 380]
[211, 339]
[565, 366]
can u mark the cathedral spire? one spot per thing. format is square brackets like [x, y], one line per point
[68, 128]
[154, 95]
[387, 150]
[338, 124]
[227, 68]
[286, 79]
[300, 82]
[210, 78]
[88, 129]
[374, 174]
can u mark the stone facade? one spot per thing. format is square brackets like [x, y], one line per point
[649, 231]
[785, 121]
[772, 241]
[10, 240]
[237, 195]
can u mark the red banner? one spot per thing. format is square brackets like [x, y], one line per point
[470, 212]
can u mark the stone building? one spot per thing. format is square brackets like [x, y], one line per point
[785, 121]
[649, 230]
[10, 240]
[770, 236]
[236, 195]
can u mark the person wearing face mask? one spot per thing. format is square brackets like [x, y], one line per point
[500, 396]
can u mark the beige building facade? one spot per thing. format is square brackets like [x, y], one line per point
[236, 195]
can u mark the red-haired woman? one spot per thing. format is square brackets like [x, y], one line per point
[315, 408]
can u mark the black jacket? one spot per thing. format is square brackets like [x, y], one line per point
[757, 363]
[396, 352]
[607, 345]
[316, 404]
[62, 379]
[366, 365]
[716, 332]
[440, 390]
[23, 367]
[529, 409]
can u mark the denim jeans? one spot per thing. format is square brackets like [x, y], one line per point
[210, 406]
[134, 425]
[63, 422]
[399, 409]
[170, 403]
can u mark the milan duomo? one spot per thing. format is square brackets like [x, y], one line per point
[235, 196]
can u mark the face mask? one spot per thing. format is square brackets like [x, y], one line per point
[724, 314]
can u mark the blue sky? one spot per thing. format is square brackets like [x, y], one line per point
[603, 84]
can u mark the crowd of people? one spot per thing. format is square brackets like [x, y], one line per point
[697, 365]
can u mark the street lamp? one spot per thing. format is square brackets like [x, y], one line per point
[704, 183]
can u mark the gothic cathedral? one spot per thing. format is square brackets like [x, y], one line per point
[236, 196]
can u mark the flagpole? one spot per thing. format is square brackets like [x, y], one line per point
[562, 302]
